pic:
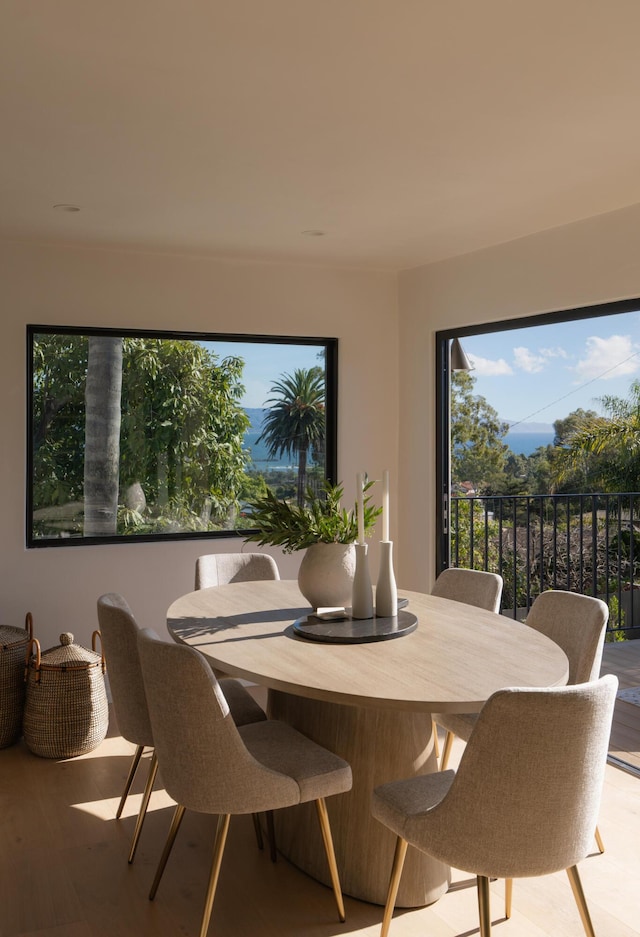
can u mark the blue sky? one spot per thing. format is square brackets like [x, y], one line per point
[266, 363]
[541, 374]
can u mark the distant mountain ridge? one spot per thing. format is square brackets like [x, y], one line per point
[256, 415]
[530, 427]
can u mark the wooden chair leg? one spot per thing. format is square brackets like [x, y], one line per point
[258, 830]
[137, 755]
[173, 831]
[394, 883]
[218, 851]
[599, 841]
[151, 778]
[436, 743]
[325, 829]
[446, 751]
[271, 833]
[581, 901]
[484, 906]
[508, 895]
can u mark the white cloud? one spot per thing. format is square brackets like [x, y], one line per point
[485, 367]
[556, 352]
[608, 358]
[528, 361]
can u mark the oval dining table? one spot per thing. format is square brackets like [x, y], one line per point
[368, 702]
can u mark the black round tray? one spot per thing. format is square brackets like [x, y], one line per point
[355, 630]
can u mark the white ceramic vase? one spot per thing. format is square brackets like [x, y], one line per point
[326, 572]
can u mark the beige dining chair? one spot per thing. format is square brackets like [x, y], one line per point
[578, 624]
[476, 587]
[210, 765]
[506, 817]
[119, 633]
[218, 569]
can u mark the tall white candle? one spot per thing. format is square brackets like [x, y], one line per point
[360, 497]
[385, 504]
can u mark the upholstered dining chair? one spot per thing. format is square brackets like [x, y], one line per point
[218, 569]
[211, 766]
[119, 633]
[504, 816]
[577, 623]
[473, 587]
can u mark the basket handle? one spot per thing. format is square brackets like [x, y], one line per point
[97, 634]
[28, 624]
[27, 658]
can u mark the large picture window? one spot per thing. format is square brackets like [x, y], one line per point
[153, 435]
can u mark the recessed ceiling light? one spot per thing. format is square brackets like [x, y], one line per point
[66, 208]
[314, 233]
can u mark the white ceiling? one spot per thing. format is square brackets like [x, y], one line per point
[407, 131]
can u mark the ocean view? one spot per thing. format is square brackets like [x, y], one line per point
[527, 443]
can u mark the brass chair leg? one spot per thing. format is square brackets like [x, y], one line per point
[271, 833]
[173, 831]
[325, 829]
[508, 895]
[436, 743]
[484, 906]
[132, 773]
[599, 841]
[394, 883]
[581, 901]
[151, 778]
[218, 850]
[446, 751]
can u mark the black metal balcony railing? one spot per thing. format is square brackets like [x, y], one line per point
[587, 543]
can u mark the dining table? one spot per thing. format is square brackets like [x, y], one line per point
[367, 699]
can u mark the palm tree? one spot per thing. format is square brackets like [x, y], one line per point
[295, 422]
[606, 447]
[102, 435]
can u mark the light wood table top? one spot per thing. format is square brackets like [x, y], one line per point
[457, 657]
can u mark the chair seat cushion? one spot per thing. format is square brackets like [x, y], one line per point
[399, 803]
[317, 771]
[242, 705]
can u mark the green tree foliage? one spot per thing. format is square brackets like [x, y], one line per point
[603, 451]
[295, 423]
[181, 436]
[478, 454]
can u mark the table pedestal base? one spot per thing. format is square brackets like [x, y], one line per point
[380, 745]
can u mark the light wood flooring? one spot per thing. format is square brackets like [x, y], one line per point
[623, 659]
[63, 869]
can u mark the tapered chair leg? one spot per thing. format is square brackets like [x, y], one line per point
[135, 761]
[581, 901]
[508, 895]
[325, 828]
[218, 851]
[173, 831]
[394, 883]
[258, 829]
[151, 778]
[271, 833]
[446, 751]
[436, 743]
[599, 842]
[484, 906]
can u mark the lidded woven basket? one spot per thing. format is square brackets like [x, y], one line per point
[13, 645]
[66, 711]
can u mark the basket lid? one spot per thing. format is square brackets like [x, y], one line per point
[68, 654]
[10, 635]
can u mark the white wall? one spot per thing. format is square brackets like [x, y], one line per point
[74, 286]
[590, 262]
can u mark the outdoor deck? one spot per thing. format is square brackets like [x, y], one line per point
[623, 659]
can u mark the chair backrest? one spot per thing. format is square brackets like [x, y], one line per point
[119, 633]
[578, 624]
[471, 586]
[526, 795]
[218, 569]
[204, 763]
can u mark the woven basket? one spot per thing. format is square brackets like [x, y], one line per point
[13, 644]
[66, 711]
